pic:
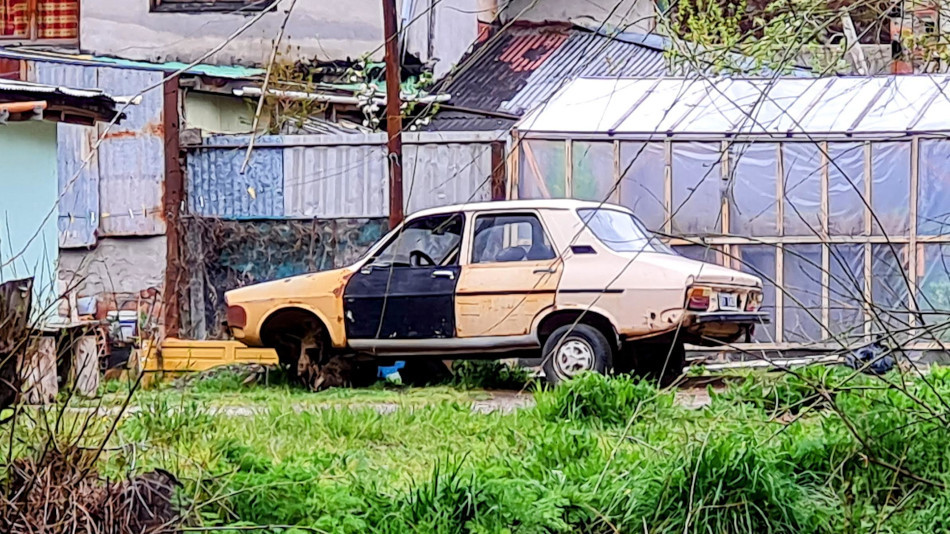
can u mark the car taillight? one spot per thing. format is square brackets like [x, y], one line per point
[237, 317]
[698, 299]
[753, 301]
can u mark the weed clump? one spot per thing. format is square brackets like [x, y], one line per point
[489, 374]
[594, 397]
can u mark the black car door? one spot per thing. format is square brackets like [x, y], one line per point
[407, 290]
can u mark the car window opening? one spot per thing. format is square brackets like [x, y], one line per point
[510, 238]
[425, 242]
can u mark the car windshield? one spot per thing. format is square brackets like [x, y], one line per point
[621, 232]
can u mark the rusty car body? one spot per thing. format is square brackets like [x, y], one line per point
[580, 285]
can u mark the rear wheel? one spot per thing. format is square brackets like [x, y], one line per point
[573, 349]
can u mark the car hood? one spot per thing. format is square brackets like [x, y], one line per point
[292, 288]
[699, 271]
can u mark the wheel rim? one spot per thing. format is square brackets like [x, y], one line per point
[572, 357]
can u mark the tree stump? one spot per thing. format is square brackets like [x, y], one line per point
[38, 371]
[85, 368]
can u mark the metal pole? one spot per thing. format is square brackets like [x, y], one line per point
[393, 114]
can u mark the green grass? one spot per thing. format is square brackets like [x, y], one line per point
[597, 455]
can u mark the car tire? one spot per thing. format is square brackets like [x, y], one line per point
[573, 349]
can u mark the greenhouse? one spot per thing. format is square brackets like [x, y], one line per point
[836, 191]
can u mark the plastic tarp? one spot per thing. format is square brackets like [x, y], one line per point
[543, 170]
[760, 261]
[933, 202]
[642, 189]
[802, 186]
[846, 291]
[592, 170]
[753, 210]
[802, 307]
[696, 188]
[846, 189]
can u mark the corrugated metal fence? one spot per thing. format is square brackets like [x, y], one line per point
[119, 191]
[337, 176]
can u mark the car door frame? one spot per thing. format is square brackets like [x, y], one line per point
[531, 293]
[356, 288]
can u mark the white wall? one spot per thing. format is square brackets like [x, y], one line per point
[320, 28]
[631, 15]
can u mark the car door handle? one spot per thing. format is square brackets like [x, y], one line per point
[443, 274]
[549, 270]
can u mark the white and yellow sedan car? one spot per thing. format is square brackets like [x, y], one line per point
[580, 286]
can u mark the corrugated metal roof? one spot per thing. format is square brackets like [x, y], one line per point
[850, 106]
[236, 72]
[13, 86]
[587, 54]
[526, 64]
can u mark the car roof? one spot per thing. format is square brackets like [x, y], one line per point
[505, 205]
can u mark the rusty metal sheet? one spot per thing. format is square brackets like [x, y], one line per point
[132, 157]
[78, 183]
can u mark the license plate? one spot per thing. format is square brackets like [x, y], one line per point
[728, 301]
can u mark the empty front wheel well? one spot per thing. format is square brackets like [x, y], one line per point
[568, 317]
[297, 321]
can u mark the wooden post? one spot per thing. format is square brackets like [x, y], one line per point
[38, 371]
[393, 113]
[85, 369]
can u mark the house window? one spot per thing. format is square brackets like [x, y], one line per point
[42, 20]
[199, 6]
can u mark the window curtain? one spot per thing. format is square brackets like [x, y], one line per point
[14, 18]
[57, 19]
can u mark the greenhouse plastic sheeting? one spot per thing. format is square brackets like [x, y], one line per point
[643, 167]
[846, 202]
[782, 107]
[890, 190]
[846, 291]
[889, 290]
[592, 169]
[753, 210]
[802, 307]
[934, 292]
[543, 170]
[802, 186]
[760, 261]
[696, 185]
[933, 204]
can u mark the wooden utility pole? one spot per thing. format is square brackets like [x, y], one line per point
[393, 113]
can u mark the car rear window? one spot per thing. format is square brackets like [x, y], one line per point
[621, 232]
